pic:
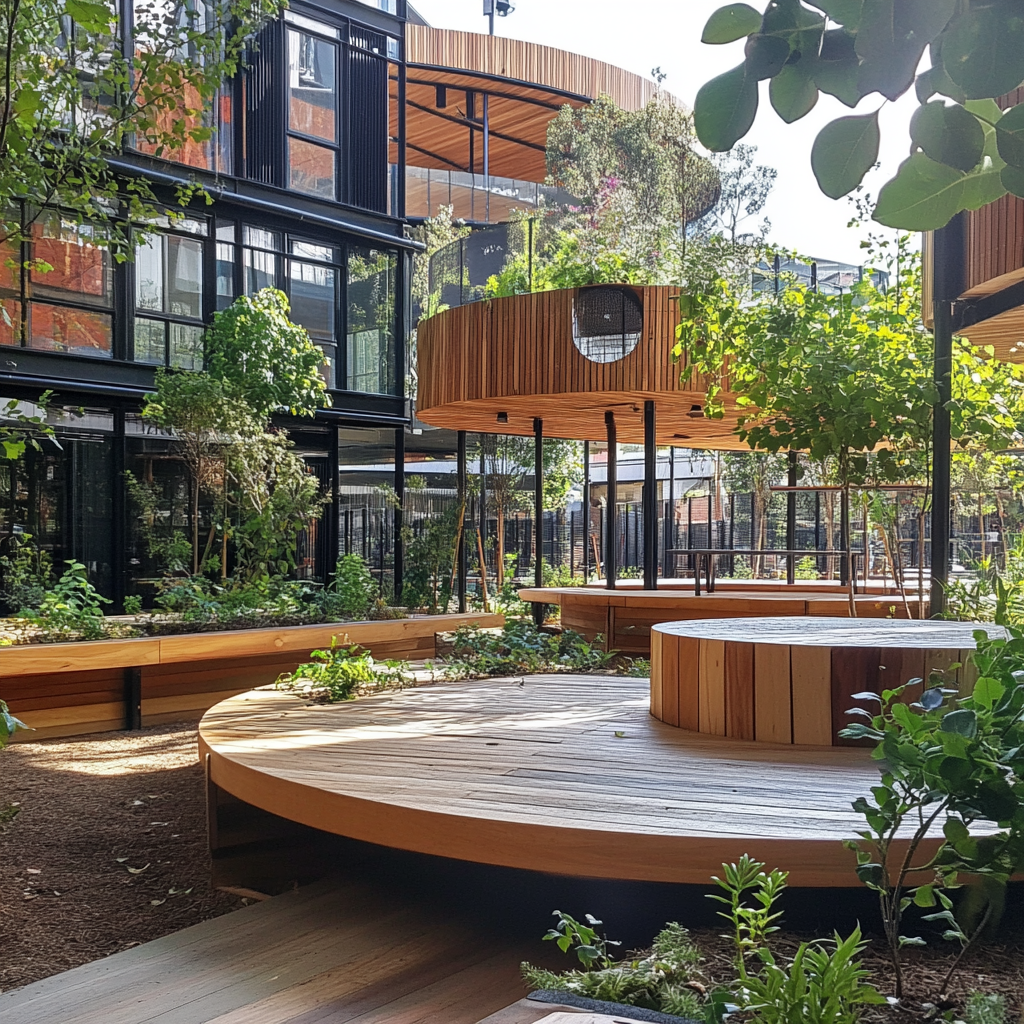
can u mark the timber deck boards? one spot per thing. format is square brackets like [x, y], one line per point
[337, 951]
[568, 774]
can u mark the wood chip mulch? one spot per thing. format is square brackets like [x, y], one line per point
[108, 848]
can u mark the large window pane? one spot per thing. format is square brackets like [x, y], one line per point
[312, 91]
[260, 266]
[10, 322]
[371, 321]
[226, 238]
[150, 344]
[169, 275]
[313, 290]
[311, 168]
[186, 347]
[81, 269]
[60, 329]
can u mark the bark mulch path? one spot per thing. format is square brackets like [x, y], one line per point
[108, 848]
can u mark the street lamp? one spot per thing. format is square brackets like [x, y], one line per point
[501, 8]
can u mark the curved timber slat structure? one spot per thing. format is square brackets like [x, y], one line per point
[569, 775]
[515, 357]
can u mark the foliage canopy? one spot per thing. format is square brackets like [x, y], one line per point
[966, 151]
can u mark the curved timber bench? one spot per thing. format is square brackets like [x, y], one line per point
[792, 680]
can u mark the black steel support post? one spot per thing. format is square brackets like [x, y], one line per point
[461, 569]
[650, 497]
[586, 511]
[791, 521]
[947, 284]
[399, 518]
[119, 515]
[133, 698]
[539, 609]
[611, 538]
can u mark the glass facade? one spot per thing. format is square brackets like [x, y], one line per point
[169, 276]
[370, 342]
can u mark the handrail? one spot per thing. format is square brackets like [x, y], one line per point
[706, 559]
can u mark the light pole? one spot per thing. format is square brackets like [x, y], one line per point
[501, 8]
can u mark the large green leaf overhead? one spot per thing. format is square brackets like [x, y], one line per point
[963, 154]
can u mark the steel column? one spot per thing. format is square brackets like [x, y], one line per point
[650, 497]
[611, 532]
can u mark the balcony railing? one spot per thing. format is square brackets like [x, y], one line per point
[474, 198]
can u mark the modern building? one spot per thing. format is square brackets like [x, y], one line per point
[350, 120]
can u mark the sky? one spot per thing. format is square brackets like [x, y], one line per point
[643, 34]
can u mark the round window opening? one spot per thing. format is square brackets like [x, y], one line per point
[606, 323]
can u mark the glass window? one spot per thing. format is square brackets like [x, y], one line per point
[169, 279]
[371, 321]
[312, 86]
[311, 168]
[313, 291]
[227, 235]
[81, 332]
[260, 260]
[150, 341]
[80, 264]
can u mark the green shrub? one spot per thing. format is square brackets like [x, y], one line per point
[25, 573]
[985, 1008]
[807, 569]
[639, 668]
[655, 980]
[522, 647]
[73, 607]
[9, 725]
[344, 672]
[353, 591]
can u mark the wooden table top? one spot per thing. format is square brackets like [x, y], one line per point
[819, 631]
[566, 774]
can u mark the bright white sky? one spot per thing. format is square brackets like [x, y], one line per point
[642, 34]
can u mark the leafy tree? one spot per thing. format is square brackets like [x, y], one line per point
[744, 191]
[950, 766]
[965, 151]
[842, 376]
[259, 356]
[259, 362]
[73, 94]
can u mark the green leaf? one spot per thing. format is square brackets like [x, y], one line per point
[988, 690]
[924, 195]
[765, 56]
[891, 40]
[935, 80]
[793, 93]
[842, 12]
[1012, 180]
[961, 723]
[1010, 136]
[836, 68]
[983, 50]
[87, 14]
[730, 23]
[725, 109]
[949, 134]
[924, 896]
[844, 152]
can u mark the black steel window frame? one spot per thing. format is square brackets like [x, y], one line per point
[342, 246]
[209, 286]
[24, 297]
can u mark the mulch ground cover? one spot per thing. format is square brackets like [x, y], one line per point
[107, 850]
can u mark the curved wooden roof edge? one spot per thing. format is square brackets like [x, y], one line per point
[515, 358]
[570, 74]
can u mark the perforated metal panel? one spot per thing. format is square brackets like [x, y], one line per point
[607, 322]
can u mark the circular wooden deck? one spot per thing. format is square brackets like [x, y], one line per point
[624, 616]
[783, 680]
[563, 774]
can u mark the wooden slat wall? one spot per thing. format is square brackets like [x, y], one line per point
[995, 233]
[782, 692]
[526, 62]
[517, 355]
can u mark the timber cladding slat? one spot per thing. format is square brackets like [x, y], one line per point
[56, 690]
[793, 681]
[516, 355]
